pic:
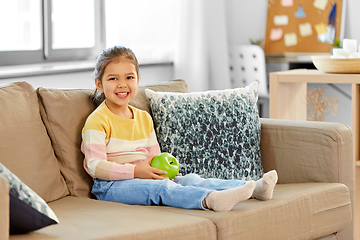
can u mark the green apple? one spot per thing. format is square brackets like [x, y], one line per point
[166, 162]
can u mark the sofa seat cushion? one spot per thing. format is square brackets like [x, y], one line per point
[299, 211]
[84, 218]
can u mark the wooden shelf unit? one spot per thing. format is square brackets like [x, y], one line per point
[288, 90]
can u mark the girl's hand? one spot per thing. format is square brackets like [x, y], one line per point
[145, 171]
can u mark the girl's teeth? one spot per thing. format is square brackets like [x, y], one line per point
[122, 94]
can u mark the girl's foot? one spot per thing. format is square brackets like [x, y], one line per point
[222, 201]
[265, 186]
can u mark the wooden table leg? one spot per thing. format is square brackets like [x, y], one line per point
[287, 99]
[355, 102]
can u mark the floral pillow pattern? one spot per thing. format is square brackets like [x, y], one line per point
[215, 134]
[28, 211]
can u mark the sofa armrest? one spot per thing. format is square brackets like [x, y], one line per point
[307, 151]
[4, 208]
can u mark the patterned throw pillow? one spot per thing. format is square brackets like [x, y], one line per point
[215, 134]
[28, 211]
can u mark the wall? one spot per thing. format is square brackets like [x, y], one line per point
[148, 74]
[246, 19]
[352, 20]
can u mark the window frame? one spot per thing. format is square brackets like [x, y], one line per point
[47, 54]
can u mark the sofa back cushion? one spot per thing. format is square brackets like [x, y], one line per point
[64, 113]
[25, 147]
[141, 101]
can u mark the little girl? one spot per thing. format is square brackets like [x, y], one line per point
[119, 143]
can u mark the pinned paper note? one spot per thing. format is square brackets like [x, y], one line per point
[300, 12]
[305, 29]
[320, 4]
[276, 34]
[281, 20]
[290, 39]
[287, 3]
[320, 28]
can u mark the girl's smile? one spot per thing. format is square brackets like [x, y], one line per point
[122, 95]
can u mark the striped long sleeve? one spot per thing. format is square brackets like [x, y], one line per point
[113, 146]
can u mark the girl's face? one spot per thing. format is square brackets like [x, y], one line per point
[119, 84]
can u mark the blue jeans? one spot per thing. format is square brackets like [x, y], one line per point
[185, 192]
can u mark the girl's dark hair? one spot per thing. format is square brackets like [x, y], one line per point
[107, 56]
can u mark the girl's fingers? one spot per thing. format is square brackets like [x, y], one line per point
[158, 171]
[158, 177]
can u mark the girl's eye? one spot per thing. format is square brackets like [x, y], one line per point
[112, 78]
[130, 77]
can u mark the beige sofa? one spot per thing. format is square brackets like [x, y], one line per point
[40, 143]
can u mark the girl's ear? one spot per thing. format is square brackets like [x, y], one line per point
[98, 85]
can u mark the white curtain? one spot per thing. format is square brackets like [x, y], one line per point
[201, 53]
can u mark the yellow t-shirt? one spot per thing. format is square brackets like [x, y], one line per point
[113, 146]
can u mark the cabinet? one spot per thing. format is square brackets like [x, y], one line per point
[288, 90]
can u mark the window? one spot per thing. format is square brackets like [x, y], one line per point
[21, 21]
[50, 30]
[39, 31]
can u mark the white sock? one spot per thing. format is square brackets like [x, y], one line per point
[265, 186]
[222, 201]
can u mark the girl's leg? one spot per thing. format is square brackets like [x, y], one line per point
[209, 183]
[150, 192]
[166, 192]
[263, 189]
[225, 193]
[230, 189]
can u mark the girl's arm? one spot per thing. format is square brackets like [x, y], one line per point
[95, 135]
[97, 165]
[144, 170]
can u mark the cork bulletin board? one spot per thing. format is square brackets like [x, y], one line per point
[303, 26]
